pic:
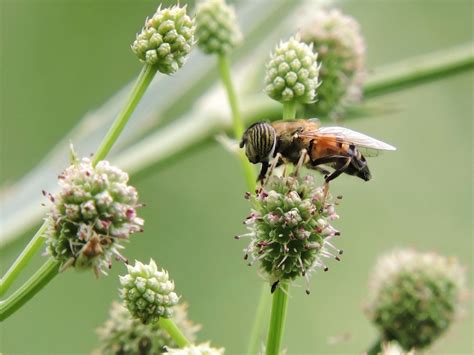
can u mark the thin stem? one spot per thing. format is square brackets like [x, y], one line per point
[376, 348]
[237, 123]
[22, 260]
[144, 79]
[30, 288]
[255, 335]
[289, 110]
[174, 332]
[419, 70]
[277, 320]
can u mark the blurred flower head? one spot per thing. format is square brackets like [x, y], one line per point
[200, 349]
[340, 46]
[123, 334]
[217, 30]
[166, 39]
[93, 213]
[415, 297]
[147, 292]
[289, 228]
[292, 72]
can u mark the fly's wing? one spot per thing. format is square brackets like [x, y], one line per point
[368, 146]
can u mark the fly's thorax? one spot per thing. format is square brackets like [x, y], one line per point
[259, 141]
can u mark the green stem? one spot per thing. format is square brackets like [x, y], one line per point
[289, 110]
[22, 260]
[237, 123]
[376, 348]
[255, 335]
[144, 79]
[174, 332]
[30, 288]
[419, 70]
[277, 320]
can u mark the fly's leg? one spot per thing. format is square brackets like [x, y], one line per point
[301, 160]
[272, 167]
[327, 178]
[263, 172]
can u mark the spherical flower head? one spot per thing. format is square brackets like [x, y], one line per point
[217, 30]
[341, 51]
[415, 296]
[123, 334]
[166, 39]
[289, 227]
[93, 213]
[147, 292]
[392, 348]
[200, 349]
[292, 72]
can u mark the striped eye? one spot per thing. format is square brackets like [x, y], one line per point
[259, 141]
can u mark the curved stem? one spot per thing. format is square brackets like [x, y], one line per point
[142, 83]
[20, 263]
[376, 348]
[277, 320]
[174, 332]
[289, 110]
[237, 123]
[30, 288]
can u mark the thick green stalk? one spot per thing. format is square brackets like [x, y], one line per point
[289, 110]
[277, 320]
[174, 332]
[21, 262]
[144, 79]
[376, 348]
[30, 288]
[255, 335]
[237, 123]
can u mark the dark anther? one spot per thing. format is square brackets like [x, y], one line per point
[237, 237]
[274, 286]
[43, 192]
[337, 233]
[338, 258]
[339, 197]
[246, 256]
[326, 268]
[308, 292]
[341, 252]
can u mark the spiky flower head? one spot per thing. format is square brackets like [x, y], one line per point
[341, 51]
[93, 213]
[292, 72]
[166, 39]
[414, 297]
[289, 227]
[147, 292]
[217, 30]
[123, 334]
[392, 348]
[200, 349]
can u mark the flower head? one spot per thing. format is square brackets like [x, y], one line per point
[166, 39]
[200, 349]
[123, 334]
[289, 227]
[94, 211]
[415, 296]
[341, 51]
[217, 30]
[148, 293]
[292, 72]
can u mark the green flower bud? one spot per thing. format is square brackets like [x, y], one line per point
[123, 334]
[166, 39]
[217, 30]
[341, 51]
[148, 293]
[91, 215]
[290, 228]
[201, 349]
[415, 297]
[292, 72]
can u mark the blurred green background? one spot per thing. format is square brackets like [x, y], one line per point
[60, 59]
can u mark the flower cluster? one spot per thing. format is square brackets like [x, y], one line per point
[200, 349]
[290, 228]
[122, 334]
[292, 72]
[148, 293]
[91, 215]
[341, 51]
[166, 39]
[217, 30]
[415, 296]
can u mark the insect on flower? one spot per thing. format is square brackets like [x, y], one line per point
[305, 142]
